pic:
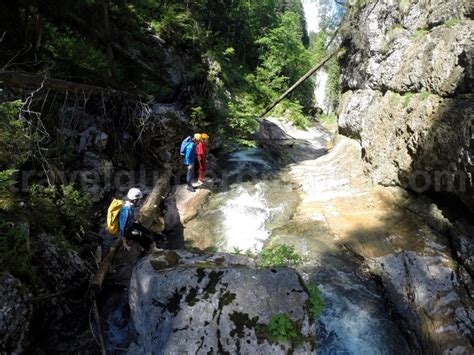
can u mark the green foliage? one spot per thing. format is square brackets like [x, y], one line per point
[14, 140]
[327, 119]
[421, 32]
[212, 249]
[333, 86]
[316, 303]
[451, 22]
[280, 255]
[394, 28]
[15, 252]
[230, 51]
[425, 94]
[282, 328]
[283, 60]
[318, 51]
[237, 251]
[60, 211]
[177, 23]
[293, 111]
[69, 49]
[242, 113]
[198, 117]
[406, 99]
[76, 207]
[249, 253]
[6, 182]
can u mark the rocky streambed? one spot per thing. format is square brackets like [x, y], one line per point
[393, 270]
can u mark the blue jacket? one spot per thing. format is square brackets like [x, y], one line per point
[190, 155]
[126, 219]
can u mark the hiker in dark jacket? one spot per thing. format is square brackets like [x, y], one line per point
[190, 159]
[129, 229]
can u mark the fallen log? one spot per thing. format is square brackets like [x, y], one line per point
[105, 266]
[149, 216]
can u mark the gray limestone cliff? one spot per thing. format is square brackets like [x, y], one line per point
[408, 94]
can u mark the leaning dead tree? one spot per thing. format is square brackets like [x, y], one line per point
[302, 80]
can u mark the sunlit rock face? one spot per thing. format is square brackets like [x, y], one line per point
[184, 303]
[408, 94]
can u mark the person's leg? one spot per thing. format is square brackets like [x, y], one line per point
[141, 235]
[190, 176]
[201, 168]
[205, 168]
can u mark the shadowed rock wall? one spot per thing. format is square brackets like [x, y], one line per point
[408, 94]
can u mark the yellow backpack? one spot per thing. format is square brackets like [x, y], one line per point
[113, 216]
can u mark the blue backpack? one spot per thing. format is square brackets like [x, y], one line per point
[184, 144]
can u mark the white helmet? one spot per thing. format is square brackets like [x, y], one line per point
[134, 194]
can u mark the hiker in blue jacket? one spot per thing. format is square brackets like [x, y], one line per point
[129, 229]
[190, 159]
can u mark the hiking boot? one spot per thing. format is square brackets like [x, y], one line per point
[191, 188]
[154, 249]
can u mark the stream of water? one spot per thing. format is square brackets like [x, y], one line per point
[248, 214]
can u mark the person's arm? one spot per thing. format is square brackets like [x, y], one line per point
[187, 157]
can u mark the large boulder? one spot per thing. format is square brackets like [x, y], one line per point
[15, 315]
[426, 293]
[184, 302]
[61, 267]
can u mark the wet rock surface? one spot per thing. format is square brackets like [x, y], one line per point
[183, 302]
[405, 241]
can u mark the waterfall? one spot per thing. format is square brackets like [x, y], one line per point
[317, 13]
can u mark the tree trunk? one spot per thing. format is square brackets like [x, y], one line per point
[104, 4]
[105, 266]
[300, 81]
[149, 216]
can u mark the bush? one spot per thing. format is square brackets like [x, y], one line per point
[60, 210]
[282, 328]
[71, 49]
[15, 253]
[6, 182]
[14, 143]
[280, 255]
[293, 111]
[316, 303]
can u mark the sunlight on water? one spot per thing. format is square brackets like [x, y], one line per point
[244, 220]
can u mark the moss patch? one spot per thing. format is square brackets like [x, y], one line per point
[200, 274]
[241, 321]
[191, 297]
[226, 298]
[214, 277]
[173, 303]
